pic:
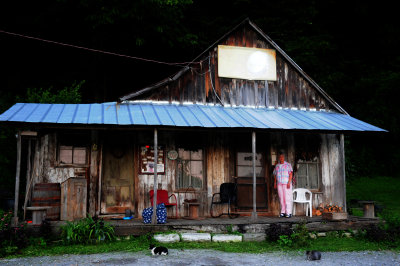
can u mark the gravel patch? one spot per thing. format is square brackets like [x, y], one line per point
[212, 257]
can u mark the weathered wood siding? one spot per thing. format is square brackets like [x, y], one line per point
[45, 168]
[201, 83]
[219, 166]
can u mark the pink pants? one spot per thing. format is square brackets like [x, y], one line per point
[285, 198]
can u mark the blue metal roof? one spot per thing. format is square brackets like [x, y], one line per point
[187, 115]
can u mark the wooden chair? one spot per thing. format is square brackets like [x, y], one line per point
[227, 195]
[162, 197]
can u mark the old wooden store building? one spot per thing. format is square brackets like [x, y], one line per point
[243, 96]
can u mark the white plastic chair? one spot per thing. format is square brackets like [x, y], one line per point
[299, 196]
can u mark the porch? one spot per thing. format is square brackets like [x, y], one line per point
[242, 224]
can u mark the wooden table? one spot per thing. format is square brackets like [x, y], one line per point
[369, 208]
[193, 208]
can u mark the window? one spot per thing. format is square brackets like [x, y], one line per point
[307, 164]
[244, 164]
[190, 172]
[72, 149]
[307, 175]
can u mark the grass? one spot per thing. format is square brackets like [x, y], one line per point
[142, 244]
[382, 189]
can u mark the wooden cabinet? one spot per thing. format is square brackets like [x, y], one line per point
[73, 199]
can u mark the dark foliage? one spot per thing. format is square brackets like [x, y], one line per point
[87, 230]
[45, 230]
[276, 230]
[377, 234]
[12, 239]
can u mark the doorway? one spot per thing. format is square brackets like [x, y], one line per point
[117, 174]
[244, 181]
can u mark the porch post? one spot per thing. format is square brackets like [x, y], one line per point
[154, 217]
[343, 171]
[18, 170]
[28, 175]
[254, 213]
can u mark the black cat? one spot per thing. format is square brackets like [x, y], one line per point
[313, 255]
[158, 250]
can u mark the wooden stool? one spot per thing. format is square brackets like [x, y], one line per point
[369, 208]
[38, 214]
[193, 209]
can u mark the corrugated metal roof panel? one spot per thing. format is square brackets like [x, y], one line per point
[188, 115]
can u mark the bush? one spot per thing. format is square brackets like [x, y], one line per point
[88, 230]
[276, 230]
[376, 233]
[286, 237]
[385, 232]
[12, 239]
[300, 236]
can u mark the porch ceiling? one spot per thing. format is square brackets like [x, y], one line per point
[186, 115]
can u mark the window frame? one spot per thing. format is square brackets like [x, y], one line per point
[203, 164]
[307, 163]
[61, 142]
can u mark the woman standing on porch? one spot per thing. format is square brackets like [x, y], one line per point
[283, 173]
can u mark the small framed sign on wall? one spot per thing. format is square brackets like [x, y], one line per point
[147, 164]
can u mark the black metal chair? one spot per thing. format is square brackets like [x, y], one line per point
[227, 195]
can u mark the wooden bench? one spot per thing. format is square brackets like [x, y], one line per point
[38, 214]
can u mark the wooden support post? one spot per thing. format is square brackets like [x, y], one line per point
[254, 213]
[343, 171]
[28, 175]
[18, 170]
[94, 174]
[154, 217]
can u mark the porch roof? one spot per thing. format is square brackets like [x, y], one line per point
[186, 115]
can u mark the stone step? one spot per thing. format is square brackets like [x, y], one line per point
[167, 238]
[196, 237]
[226, 238]
[257, 237]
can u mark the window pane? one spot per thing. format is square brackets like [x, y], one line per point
[313, 175]
[183, 154]
[197, 155]
[66, 154]
[301, 175]
[196, 168]
[79, 156]
[247, 171]
[185, 174]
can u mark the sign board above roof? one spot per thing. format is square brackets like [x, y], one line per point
[246, 63]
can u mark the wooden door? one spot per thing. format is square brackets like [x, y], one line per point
[117, 174]
[244, 180]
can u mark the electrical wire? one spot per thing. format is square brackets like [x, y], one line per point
[179, 64]
[212, 85]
